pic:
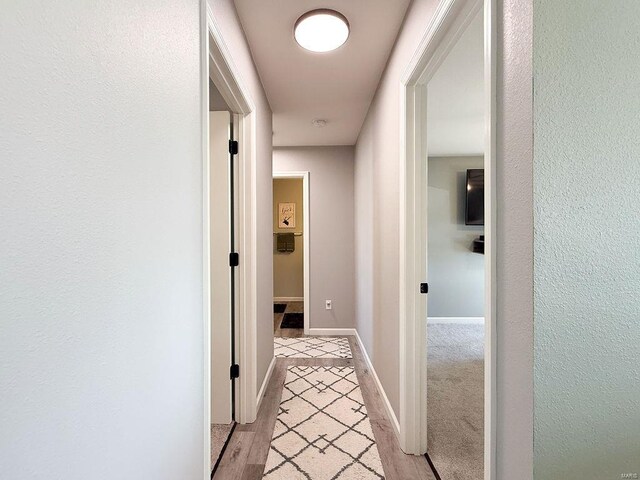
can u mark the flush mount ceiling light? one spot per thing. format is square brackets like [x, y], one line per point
[321, 30]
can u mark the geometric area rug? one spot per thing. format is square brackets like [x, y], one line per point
[322, 430]
[311, 347]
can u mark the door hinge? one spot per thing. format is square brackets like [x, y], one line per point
[424, 288]
[233, 147]
[234, 371]
[234, 259]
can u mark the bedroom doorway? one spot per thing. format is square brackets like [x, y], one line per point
[453, 20]
[454, 168]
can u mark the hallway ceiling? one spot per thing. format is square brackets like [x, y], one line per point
[336, 86]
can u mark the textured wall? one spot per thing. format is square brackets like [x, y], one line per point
[331, 222]
[378, 203]
[587, 232]
[101, 332]
[456, 274]
[514, 237]
[288, 268]
[377, 177]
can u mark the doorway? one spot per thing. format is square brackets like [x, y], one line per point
[291, 254]
[222, 201]
[288, 258]
[229, 297]
[452, 20]
[453, 135]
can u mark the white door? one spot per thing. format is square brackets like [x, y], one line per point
[221, 272]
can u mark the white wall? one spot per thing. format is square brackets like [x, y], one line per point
[101, 330]
[377, 182]
[514, 225]
[226, 18]
[377, 204]
[331, 222]
[456, 273]
[587, 232]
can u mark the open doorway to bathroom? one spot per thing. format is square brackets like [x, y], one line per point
[290, 255]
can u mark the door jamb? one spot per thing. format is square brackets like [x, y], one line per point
[217, 65]
[448, 23]
[305, 238]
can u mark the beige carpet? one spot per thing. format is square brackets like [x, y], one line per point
[322, 430]
[219, 435]
[455, 400]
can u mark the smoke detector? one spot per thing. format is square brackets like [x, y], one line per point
[320, 123]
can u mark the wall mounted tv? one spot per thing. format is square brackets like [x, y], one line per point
[474, 208]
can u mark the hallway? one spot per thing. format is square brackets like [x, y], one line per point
[137, 261]
[246, 454]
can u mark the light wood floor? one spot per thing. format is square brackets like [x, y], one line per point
[246, 454]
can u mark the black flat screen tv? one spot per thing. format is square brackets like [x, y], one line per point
[474, 208]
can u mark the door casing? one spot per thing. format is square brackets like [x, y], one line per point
[217, 65]
[449, 22]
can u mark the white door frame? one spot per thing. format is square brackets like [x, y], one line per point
[217, 64]
[306, 220]
[449, 22]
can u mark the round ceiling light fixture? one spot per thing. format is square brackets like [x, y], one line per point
[321, 30]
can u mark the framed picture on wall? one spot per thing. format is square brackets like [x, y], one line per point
[286, 215]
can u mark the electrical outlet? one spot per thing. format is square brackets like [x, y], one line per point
[327, 304]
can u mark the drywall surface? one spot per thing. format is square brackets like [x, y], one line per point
[101, 290]
[331, 223]
[288, 267]
[364, 240]
[456, 274]
[378, 205]
[587, 266]
[225, 16]
[514, 237]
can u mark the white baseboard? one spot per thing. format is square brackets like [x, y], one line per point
[265, 383]
[385, 400]
[332, 331]
[288, 299]
[460, 320]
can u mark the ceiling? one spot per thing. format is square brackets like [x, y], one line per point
[336, 86]
[455, 102]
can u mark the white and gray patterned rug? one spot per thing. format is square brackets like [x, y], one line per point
[322, 430]
[311, 347]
